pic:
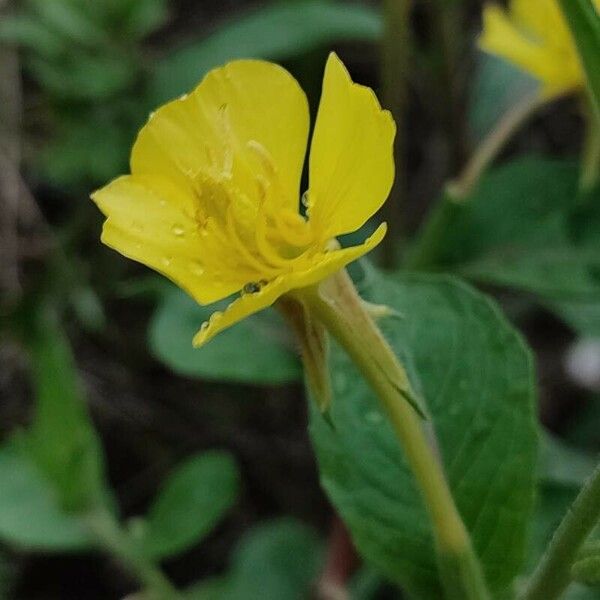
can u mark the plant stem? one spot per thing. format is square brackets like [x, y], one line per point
[492, 144]
[117, 543]
[396, 56]
[553, 573]
[425, 249]
[343, 314]
[590, 163]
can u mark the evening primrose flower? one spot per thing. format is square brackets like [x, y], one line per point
[534, 36]
[213, 202]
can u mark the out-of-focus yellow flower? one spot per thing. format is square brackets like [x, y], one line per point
[213, 199]
[534, 36]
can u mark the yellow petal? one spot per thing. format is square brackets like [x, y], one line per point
[558, 71]
[247, 122]
[351, 156]
[150, 220]
[248, 304]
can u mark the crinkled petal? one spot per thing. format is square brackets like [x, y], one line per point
[248, 304]
[351, 158]
[557, 70]
[246, 122]
[151, 221]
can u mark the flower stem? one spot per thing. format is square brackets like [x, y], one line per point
[553, 573]
[590, 163]
[396, 54]
[111, 537]
[424, 252]
[337, 305]
[507, 126]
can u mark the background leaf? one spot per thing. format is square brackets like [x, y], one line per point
[527, 227]
[279, 560]
[476, 375]
[62, 441]
[497, 86]
[260, 349]
[584, 21]
[192, 501]
[30, 508]
[275, 32]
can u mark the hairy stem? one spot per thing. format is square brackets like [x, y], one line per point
[395, 66]
[491, 145]
[111, 537]
[338, 306]
[553, 574]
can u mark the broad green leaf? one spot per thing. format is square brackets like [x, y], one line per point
[561, 464]
[192, 501]
[69, 78]
[258, 350]
[476, 375]
[584, 22]
[30, 509]
[277, 560]
[68, 19]
[275, 32]
[496, 87]
[28, 32]
[61, 441]
[525, 227]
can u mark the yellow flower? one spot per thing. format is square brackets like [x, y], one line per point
[213, 199]
[534, 36]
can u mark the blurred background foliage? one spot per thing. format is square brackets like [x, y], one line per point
[202, 457]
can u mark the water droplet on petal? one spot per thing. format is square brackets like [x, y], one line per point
[166, 260]
[196, 268]
[305, 200]
[178, 230]
[162, 203]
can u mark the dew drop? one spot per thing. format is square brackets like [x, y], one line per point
[374, 417]
[196, 268]
[178, 231]
[162, 203]
[183, 96]
[166, 260]
[305, 200]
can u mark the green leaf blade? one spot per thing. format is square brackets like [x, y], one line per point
[193, 499]
[584, 22]
[259, 350]
[275, 32]
[476, 375]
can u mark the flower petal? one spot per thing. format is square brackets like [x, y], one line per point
[246, 122]
[351, 157]
[149, 220]
[248, 304]
[557, 69]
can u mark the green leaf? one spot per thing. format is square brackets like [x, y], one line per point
[192, 501]
[68, 19]
[277, 560]
[31, 34]
[62, 441]
[587, 567]
[584, 22]
[525, 227]
[30, 509]
[496, 87]
[70, 77]
[561, 464]
[275, 32]
[258, 350]
[476, 375]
